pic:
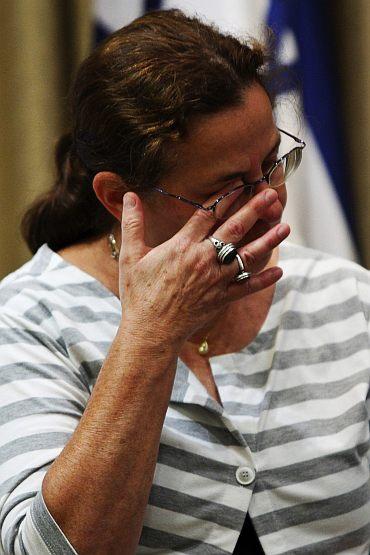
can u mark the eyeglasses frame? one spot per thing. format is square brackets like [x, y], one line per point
[265, 177]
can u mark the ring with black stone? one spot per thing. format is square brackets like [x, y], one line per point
[227, 254]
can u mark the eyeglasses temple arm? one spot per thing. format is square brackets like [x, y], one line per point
[297, 140]
[178, 197]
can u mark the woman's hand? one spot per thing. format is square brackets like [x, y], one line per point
[174, 289]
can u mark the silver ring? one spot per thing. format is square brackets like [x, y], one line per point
[226, 252]
[216, 243]
[243, 276]
[240, 263]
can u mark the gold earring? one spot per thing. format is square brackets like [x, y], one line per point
[113, 246]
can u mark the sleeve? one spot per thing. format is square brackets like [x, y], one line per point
[42, 398]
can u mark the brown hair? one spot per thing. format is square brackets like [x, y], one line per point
[132, 98]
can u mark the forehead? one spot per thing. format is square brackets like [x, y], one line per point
[235, 136]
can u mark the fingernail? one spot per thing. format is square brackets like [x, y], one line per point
[129, 201]
[270, 196]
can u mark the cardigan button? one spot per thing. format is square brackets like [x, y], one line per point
[245, 475]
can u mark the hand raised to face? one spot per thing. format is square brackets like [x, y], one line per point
[178, 286]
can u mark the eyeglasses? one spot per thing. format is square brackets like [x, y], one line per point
[279, 172]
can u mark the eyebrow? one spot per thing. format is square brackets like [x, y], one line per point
[242, 173]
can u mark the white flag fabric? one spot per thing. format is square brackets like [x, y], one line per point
[319, 207]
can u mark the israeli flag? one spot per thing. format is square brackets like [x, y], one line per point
[319, 200]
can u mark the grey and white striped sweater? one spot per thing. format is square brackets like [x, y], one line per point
[290, 444]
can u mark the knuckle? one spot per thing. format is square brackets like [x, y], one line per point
[183, 245]
[131, 224]
[249, 258]
[202, 265]
[206, 216]
[236, 229]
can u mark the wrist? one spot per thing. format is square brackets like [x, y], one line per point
[148, 338]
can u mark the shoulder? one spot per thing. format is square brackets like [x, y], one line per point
[319, 280]
[49, 294]
[54, 312]
[35, 275]
[46, 279]
[294, 256]
[304, 263]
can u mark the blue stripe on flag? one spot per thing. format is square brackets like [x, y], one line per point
[100, 32]
[151, 5]
[310, 23]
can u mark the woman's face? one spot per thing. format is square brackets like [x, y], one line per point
[220, 150]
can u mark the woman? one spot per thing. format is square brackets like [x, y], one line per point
[176, 397]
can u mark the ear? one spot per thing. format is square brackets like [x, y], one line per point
[109, 188]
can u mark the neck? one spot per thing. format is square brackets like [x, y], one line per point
[231, 330]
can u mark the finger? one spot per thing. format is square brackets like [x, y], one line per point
[133, 245]
[255, 283]
[237, 226]
[256, 254]
[203, 221]
[200, 225]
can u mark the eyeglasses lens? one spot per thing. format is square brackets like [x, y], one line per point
[292, 162]
[286, 167]
[233, 202]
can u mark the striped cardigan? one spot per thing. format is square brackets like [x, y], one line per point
[290, 444]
